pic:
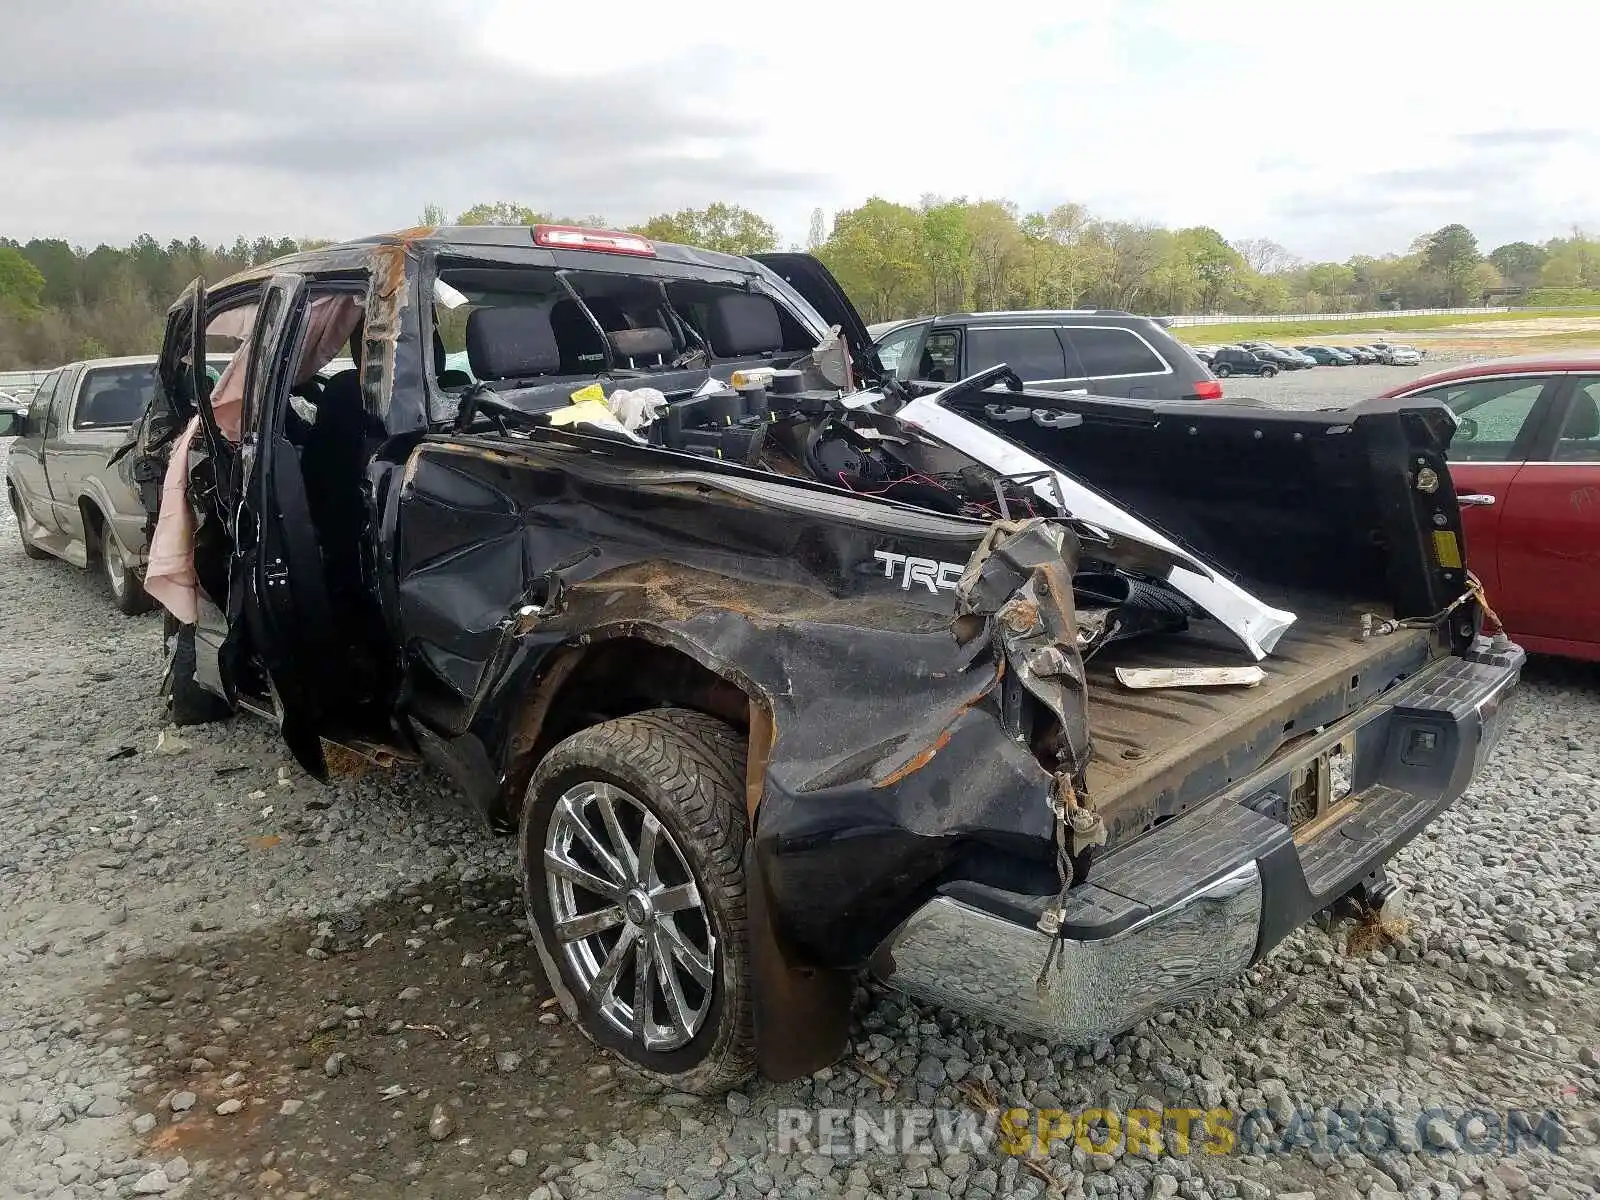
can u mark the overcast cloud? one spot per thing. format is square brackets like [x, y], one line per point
[1333, 128]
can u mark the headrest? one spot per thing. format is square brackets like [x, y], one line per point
[1583, 419]
[641, 343]
[511, 343]
[739, 323]
[341, 390]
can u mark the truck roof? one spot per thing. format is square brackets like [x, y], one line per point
[126, 360]
[477, 239]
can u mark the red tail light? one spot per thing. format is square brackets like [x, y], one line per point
[573, 237]
[1208, 389]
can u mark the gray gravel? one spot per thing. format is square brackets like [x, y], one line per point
[175, 865]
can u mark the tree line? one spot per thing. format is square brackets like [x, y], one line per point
[59, 302]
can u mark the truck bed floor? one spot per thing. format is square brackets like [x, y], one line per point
[1149, 742]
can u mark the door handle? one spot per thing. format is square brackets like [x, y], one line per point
[1477, 500]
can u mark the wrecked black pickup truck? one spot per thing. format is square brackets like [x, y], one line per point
[1054, 709]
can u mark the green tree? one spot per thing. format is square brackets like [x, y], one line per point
[1485, 279]
[21, 285]
[1334, 283]
[1572, 262]
[1215, 268]
[59, 264]
[1451, 252]
[997, 250]
[1125, 255]
[724, 227]
[943, 245]
[875, 253]
[1060, 261]
[498, 212]
[1519, 263]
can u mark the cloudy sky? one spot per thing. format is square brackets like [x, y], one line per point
[1332, 128]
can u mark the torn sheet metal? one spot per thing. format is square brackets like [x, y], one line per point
[1020, 577]
[1189, 677]
[1256, 624]
[1019, 581]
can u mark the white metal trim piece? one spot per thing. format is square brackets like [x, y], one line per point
[1189, 677]
[1256, 624]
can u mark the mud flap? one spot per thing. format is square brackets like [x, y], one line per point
[801, 1015]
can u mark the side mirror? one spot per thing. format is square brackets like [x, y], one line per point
[13, 422]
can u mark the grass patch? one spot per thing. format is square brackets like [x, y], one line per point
[1290, 331]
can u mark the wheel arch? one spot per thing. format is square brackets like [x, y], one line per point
[96, 503]
[603, 678]
[94, 525]
[801, 1012]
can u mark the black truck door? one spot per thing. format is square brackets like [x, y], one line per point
[277, 590]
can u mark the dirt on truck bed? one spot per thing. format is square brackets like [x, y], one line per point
[1149, 740]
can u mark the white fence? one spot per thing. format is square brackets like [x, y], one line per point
[1231, 318]
[11, 379]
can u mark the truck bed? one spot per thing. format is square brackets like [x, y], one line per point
[1158, 751]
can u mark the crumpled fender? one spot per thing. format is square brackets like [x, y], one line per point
[889, 762]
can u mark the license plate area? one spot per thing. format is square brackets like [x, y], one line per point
[1320, 784]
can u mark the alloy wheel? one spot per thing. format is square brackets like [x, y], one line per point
[628, 916]
[116, 566]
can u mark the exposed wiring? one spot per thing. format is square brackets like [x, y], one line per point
[1371, 625]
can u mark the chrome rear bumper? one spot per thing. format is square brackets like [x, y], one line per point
[952, 954]
[1194, 902]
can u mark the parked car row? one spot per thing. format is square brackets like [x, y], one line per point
[1264, 358]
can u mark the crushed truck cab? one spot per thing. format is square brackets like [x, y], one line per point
[779, 669]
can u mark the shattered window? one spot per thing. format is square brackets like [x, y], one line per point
[1490, 414]
[893, 349]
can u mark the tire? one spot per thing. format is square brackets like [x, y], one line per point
[190, 703]
[127, 589]
[1268, 372]
[1222, 370]
[28, 547]
[686, 771]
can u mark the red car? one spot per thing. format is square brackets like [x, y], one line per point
[1526, 463]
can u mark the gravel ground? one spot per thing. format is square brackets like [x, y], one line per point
[218, 978]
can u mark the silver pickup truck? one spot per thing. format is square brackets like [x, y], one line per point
[69, 500]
